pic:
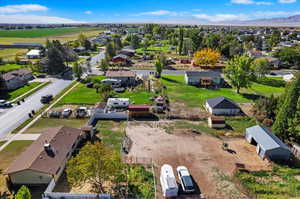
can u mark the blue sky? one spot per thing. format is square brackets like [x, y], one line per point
[134, 11]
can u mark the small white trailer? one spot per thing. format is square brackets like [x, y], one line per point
[168, 181]
[117, 102]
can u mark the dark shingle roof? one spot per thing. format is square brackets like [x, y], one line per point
[200, 74]
[222, 103]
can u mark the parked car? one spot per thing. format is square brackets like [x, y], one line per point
[5, 104]
[66, 113]
[185, 179]
[55, 114]
[46, 99]
[81, 112]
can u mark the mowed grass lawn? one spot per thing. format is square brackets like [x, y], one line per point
[43, 32]
[16, 93]
[179, 91]
[280, 183]
[11, 152]
[9, 67]
[45, 123]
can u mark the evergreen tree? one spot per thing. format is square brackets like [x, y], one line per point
[110, 51]
[287, 110]
[135, 41]
[181, 35]
[77, 70]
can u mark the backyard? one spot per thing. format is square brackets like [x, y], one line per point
[281, 183]
[9, 67]
[179, 91]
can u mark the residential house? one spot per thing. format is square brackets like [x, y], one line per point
[34, 54]
[222, 106]
[127, 51]
[16, 79]
[204, 78]
[127, 78]
[121, 58]
[139, 110]
[45, 159]
[267, 144]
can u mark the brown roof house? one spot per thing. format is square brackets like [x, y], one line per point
[127, 78]
[16, 79]
[45, 159]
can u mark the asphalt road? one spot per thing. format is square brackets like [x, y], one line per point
[93, 62]
[13, 117]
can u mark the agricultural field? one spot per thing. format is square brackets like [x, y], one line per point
[280, 183]
[43, 32]
[10, 54]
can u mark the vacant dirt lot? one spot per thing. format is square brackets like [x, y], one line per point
[209, 165]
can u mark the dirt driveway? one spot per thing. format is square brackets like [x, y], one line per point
[209, 165]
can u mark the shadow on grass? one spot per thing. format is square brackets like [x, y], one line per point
[251, 96]
[170, 80]
[4, 95]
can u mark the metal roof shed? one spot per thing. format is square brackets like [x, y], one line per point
[268, 145]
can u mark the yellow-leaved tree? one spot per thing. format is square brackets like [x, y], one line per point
[207, 57]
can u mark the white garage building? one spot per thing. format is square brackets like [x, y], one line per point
[222, 106]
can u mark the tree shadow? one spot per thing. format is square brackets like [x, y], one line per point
[170, 80]
[4, 95]
[251, 96]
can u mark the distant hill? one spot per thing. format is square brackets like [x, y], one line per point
[280, 21]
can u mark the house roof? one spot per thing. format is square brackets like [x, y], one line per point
[265, 138]
[15, 73]
[143, 107]
[121, 56]
[199, 74]
[33, 52]
[36, 158]
[222, 103]
[120, 74]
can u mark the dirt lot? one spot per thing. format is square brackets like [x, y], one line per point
[209, 165]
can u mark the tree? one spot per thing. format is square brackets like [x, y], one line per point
[77, 70]
[134, 41]
[117, 42]
[239, 72]
[95, 164]
[82, 38]
[261, 66]
[181, 35]
[146, 43]
[110, 51]
[159, 67]
[207, 57]
[104, 65]
[23, 193]
[55, 60]
[87, 44]
[196, 39]
[105, 91]
[287, 110]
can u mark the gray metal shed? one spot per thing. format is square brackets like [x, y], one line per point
[267, 144]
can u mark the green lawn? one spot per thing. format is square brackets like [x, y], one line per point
[45, 123]
[9, 67]
[81, 95]
[165, 48]
[179, 91]
[137, 97]
[265, 90]
[16, 93]
[11, 152]
[41, 32]
[281, 183]
[111, 133]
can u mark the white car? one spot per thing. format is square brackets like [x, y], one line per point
[185, 179]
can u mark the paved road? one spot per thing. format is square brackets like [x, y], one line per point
[15, 116]
[93, 62]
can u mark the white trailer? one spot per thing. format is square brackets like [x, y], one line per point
[118, 102]
[168, 181]
[115, 83]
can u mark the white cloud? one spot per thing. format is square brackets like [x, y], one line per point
[221, 17]
[248, 2]
[22, 8]
[157, 13]
[88, 12]
[35, 19]
[287, 1]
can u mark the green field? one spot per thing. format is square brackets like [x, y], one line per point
[9, 67]
[41, 32]
[16, 93]
[280, 183]
[45, 123]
